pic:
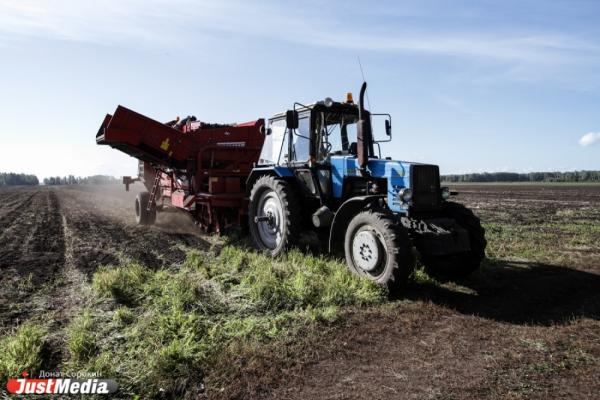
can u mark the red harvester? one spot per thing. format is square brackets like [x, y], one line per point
[188, 164]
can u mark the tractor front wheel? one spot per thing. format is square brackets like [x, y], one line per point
[142, 215]
[273, 216]
[378, 247]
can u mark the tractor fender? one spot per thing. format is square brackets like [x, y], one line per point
[257, 172]
[342, 218]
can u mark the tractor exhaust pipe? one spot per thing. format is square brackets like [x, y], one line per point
[362, 132]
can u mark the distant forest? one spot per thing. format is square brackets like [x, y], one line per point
[573, 176]
[78, 180]
[11, 179]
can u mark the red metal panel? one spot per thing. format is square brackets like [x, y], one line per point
[233, 185]
[137, 134]
[217, 158]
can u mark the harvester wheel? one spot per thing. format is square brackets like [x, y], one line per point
[378, 247]
[142, 215]
[461, 264]
[274, 215]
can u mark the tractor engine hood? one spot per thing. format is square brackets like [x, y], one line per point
[397, 173]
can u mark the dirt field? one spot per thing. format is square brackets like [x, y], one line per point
[53, 239]
[526, 326]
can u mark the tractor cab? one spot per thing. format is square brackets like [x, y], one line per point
[308, 135]
[316, 143]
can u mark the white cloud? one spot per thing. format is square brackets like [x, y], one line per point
[174, 22]
[509, 52]
[589, 138]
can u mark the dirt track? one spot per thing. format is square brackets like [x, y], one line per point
[520, 329]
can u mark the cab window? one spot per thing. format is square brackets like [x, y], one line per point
[301, 142]
[274, 150]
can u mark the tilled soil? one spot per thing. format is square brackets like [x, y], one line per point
[519, 329]
[52, 239]
[531, 204]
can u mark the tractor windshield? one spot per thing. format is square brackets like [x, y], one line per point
[336, 134]
[274, 149]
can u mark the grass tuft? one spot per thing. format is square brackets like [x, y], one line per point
[123, 316]
[123, 283]
[421, 277]
[81, 340]
[298, 281]
[21, 351]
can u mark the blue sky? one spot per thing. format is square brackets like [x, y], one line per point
[472, 86]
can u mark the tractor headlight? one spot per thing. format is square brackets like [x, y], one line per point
[445, 193]
[405, 194]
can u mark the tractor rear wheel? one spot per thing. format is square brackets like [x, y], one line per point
[142, 215]
[378, 247]
[274, 215]
[461, 264]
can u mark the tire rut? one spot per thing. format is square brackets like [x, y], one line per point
[10, 213]
[31, 256]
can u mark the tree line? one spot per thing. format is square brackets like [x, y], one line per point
[13, 179]
[571, 176]
[78, 180]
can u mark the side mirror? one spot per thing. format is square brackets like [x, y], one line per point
[388, 127]
[291, 119]
[265, 131]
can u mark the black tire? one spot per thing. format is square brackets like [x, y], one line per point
[461, 264]
[383, 233]
[271, 196]
[142, 215]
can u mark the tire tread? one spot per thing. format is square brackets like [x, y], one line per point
[291, 209]
[401, 262]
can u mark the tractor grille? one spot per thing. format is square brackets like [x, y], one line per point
[425, 184]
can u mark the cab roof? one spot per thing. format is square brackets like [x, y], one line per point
[346, 108]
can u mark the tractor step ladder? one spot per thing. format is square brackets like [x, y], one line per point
[155, 186]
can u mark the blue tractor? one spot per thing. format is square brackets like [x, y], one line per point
[321, 169]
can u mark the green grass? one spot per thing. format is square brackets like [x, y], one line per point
[21, 351]
[123, 316]
[421, 277]
[122, 283]
[554, 362]
[552, 241]
[25, 284]
[178, 322]
[81, 337]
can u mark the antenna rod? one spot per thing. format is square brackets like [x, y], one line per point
[364, 80]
